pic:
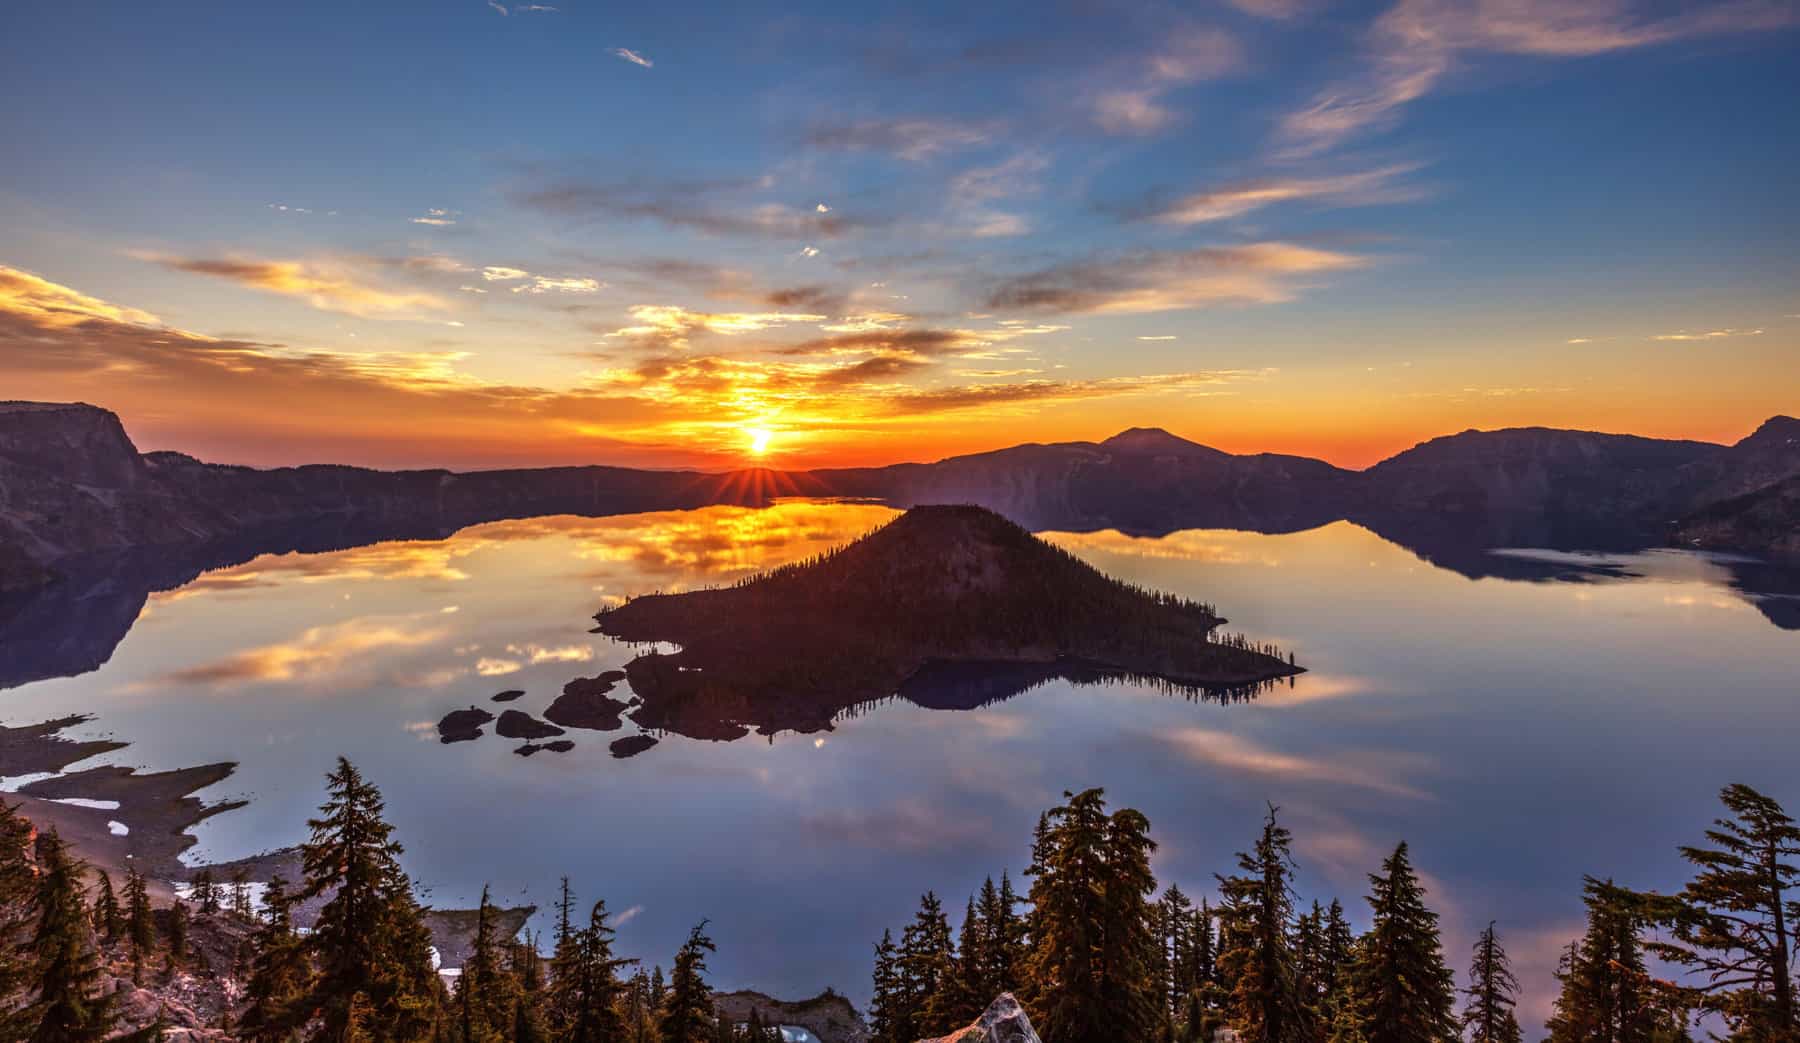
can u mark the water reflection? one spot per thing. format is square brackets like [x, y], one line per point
[1519, 724]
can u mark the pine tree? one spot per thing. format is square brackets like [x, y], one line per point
[1607, 995]
[108, 920]
[18, 888]
[593, 1000]
[280, 972]
[1732, 925]
[1255, 960]
[240, 893]
[1011, 943]
[370, 940]
[1402, 989]
[1339, 947]
[1492, 992]
[485, 993]
[1308, 944]
[888, 1017]
[688, 1011]
[1092, 945]
[970, 974]
[927, 965]
[178, 934]
[139, 923]
[66, 975]
[205, 893]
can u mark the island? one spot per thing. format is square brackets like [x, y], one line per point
[937, 587]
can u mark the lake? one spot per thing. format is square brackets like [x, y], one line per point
[1522, 722]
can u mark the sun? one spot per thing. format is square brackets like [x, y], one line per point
[759, 440]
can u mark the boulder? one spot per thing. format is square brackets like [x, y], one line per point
[1003, 1022]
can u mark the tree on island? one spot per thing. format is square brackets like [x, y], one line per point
[1493, 993]
[1402, 988]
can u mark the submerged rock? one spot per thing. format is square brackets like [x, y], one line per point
[558, 746]
[584, 703]
[1003, 1022]
[517, 724]
[463, 725]
[631, 745]
[509, 695]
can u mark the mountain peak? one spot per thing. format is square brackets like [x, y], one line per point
[1152, 440]
[1777, 431]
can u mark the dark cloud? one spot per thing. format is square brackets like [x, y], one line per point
[914, 341]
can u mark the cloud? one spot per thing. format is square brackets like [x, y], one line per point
[1218, 204]
[328, 285]
[498, 6]
[563, 284]
[1242, 755]
[1416, 43]
[1276, 10]
[913, 139]
[631, 56]
[271, 403]
[1707, 334]
[317, 654]
[51, 306]
[670, 325]
[704, 206]
[436, 217]
[1169, 280]
[1136, 107]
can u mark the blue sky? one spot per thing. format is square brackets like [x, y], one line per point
[667, 235]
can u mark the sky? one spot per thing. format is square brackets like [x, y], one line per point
[476, 234]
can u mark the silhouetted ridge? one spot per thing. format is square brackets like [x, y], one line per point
[1155, 440]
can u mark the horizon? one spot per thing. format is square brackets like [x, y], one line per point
[509, 235]
[756, 464]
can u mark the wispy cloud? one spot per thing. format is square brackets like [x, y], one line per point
[1706, 334]
[911, 138]
[670, 325]
[1137, 106]
[437, 217]
[1168, 280]
[332, 285]
[1243, 755]
[1361, 188]
[631, 56]
[1416, 43]
[720, 207]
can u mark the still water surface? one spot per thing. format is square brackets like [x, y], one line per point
[1517, 733]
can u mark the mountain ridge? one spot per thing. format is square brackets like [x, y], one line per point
[74, 490]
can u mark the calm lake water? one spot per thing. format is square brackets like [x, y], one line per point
[1517, 733]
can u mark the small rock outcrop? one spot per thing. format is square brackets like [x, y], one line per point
[517, 724]
[463, 725]
[584, 703]
[1003, 1022]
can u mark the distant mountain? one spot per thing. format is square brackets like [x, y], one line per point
[794, 647]
[77, 500]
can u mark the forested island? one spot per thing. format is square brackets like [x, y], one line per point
[1095, 951]
[793, 647]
